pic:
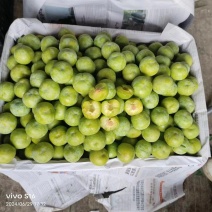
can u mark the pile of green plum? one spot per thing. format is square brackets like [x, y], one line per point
[76, 96]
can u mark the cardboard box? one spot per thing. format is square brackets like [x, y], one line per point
[138, 186]
[138, 15]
